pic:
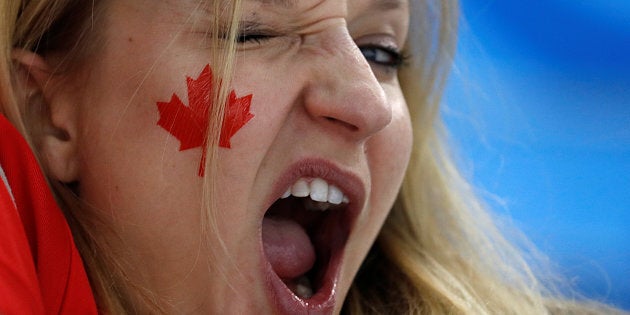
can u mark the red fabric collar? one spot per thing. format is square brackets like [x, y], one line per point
[40, 268]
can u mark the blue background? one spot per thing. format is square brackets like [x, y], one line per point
[538, 105]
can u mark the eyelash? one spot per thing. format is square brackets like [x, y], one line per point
[245, 38]
[397, 58]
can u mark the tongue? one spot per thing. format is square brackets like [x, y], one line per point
[287, 247]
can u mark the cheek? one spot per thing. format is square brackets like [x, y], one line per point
[127, 168]
[130, 166]
[388, 157]
[389, 150]
[189, 123]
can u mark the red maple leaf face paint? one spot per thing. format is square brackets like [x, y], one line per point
[189, 124]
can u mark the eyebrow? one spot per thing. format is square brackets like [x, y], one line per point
[282, 3]
[381, 4]
[388, 4]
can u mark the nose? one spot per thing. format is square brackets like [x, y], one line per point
[343, 92]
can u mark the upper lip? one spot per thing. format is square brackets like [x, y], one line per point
[350, 184]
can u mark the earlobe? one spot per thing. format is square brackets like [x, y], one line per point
[49, 114]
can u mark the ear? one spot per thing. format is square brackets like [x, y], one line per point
[50, 114]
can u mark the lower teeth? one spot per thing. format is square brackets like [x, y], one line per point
[312, 205]
[303, 288]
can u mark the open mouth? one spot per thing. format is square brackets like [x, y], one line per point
[304, 233]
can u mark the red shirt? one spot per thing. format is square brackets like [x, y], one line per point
[41, 271]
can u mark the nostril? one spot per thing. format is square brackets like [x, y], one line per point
[347, 125]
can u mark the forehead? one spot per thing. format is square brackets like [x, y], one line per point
[293, 3]
[288, 14]
[283, 3]
[310, 4]
[285, 6]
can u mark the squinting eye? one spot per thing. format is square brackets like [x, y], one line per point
[251, 38]
[384, 56]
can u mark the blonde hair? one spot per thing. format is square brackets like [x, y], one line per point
[439, 251]
[71, 27]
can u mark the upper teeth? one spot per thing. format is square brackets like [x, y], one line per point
[318, 189]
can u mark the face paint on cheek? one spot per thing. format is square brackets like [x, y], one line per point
[189, 124]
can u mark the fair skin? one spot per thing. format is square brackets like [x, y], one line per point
[317, 102]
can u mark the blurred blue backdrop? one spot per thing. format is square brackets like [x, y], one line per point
[539, 106]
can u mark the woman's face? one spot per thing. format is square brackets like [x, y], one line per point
[330, 126]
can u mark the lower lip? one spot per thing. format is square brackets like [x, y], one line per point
[324, 300]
